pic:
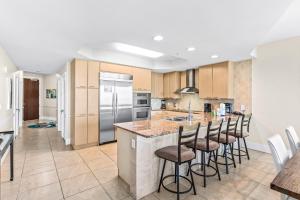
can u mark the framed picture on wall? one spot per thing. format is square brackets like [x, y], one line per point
[51, 93]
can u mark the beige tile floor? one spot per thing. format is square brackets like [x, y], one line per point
[46, 169]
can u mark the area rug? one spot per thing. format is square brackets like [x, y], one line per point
[42, 125]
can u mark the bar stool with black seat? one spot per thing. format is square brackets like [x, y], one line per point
[242, 134]
[205, 145]
[180, 154]
[227, 141]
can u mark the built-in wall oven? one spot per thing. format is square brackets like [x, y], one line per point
[141, 113]
[141, 106]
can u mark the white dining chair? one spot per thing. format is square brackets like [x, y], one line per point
[280, 156]
[279, 151]
[293, 139]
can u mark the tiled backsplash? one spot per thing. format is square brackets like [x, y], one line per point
[183, 103]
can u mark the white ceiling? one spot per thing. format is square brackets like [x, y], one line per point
[42, 35]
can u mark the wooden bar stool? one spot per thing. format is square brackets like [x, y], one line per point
[242, 133]
[180, 154]
[205, 145]
[227, 141]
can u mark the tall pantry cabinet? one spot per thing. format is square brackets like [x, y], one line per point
[84, 103]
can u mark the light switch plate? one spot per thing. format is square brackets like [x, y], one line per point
[133, 143]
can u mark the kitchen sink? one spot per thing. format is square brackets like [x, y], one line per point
[177, 119]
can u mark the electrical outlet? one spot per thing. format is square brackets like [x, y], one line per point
[133, 143]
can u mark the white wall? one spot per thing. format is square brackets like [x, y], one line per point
[276, 89]
[7, 67]
[50, 105]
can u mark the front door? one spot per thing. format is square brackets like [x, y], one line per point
[31, 99]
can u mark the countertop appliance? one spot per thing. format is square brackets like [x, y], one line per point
[163, 104]
[116, 103]
[141, 106]
[207, 107]
[228, 107]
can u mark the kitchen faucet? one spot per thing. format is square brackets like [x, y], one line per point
[190, 116]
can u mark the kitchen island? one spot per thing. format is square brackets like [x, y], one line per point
[137, 141]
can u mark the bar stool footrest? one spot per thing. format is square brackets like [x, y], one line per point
[199, 174]
[244, 153]
[174, 191]
[222, 163]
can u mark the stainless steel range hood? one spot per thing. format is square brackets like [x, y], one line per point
[190, 83]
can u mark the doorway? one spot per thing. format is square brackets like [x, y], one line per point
[61, 104]
[31, 99]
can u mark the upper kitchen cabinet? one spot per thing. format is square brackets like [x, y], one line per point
[205, 81]
[166, 85]
[80, 73]
[182, 79]
[171, 84]
[215, 81]
[141, 79]
[115, 68]
[93, 74]
[174, 84]
[157, 82]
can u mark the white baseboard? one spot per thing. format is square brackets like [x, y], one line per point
[48, 118]
[67, 141]
[258, 147]
[255, 146]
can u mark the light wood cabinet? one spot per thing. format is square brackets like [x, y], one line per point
[80, 131]
[205, 81]
[93, 102]
[215, 80]
[171, 84]
[157, 82]
[166, 85]
[141, 79]
[174, 84]
[182, 80]
[80, 102]
[115, 68]
[141, 76]
[93, 129]
[84, 103]
[80, 72]
[220, 80]
[93, 74]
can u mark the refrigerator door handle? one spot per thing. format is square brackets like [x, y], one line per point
[112, 104]
[117, 108]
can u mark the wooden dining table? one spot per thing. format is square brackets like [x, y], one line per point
[287, 180]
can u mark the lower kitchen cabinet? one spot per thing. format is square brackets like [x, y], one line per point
[93, 127]
[80, 130]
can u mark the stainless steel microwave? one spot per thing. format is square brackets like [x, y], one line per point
[141, 99]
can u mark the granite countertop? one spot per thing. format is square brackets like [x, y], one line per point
[159, 125]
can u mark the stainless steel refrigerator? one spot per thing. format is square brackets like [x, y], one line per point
[116, 103]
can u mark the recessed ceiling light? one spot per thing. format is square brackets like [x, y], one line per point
[158, 38]
[137, 50]
[215, 56]
[191, 49]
